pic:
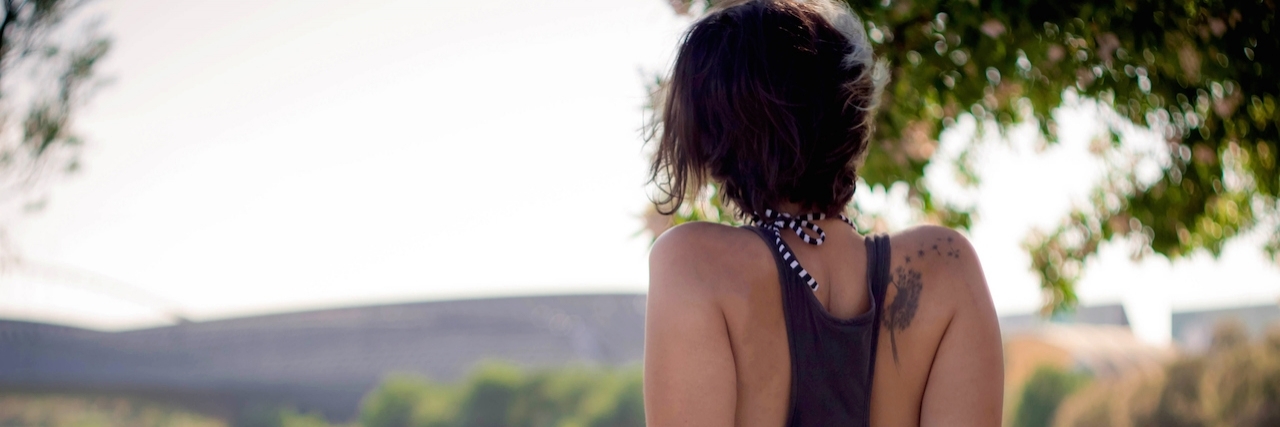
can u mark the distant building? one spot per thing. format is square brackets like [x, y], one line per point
[1110, 314]
[1092, 339]
[1099, 350]
[1193, 330]
[322, 360]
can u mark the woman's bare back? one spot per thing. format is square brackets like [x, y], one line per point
[716, 340]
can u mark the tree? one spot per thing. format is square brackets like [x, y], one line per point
[1235, 383]
[505, 395]
[394, 402]
[490, 400]
[45, 74]
[1201, 73]
[1042, 394]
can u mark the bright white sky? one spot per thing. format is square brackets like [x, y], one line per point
[262, 156]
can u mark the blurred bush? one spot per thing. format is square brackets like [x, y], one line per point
[498, 395]
[1236, 383]
[60, 410]
[502, 395]
[279, 416]
[1042, 394]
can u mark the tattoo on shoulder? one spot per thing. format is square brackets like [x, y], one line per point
[898, 314]
[907, 284]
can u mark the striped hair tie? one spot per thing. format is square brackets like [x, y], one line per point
[776, 221]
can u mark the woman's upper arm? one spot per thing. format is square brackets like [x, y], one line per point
[689, 373]
[966, 381]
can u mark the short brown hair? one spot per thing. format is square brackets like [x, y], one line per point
[773, 100]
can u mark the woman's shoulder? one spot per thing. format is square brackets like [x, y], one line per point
[689, 367]
[706, 244]
[940, 354]
[936, 274]
[934, 248]
[705, 254]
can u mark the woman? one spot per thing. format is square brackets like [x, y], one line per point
[798, 319]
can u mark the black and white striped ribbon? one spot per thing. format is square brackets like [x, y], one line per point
[776, 221]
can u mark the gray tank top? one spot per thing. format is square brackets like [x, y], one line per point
[832, 359]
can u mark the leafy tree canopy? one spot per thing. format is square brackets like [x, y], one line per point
[45, 73]
[1202, 74]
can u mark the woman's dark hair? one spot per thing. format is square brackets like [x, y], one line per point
[773, 100]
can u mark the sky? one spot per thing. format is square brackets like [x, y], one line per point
[253, 157]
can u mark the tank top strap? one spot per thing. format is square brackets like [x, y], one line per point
[878, 261]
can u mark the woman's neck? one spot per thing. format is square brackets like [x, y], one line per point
[792, 208]
[795, 209]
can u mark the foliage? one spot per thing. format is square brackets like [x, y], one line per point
[296, 419]
[1200, 73]
[502, 395]
[66, 410]
[45, 74]
[280, 417]
[1237, 383]
[393, 403]
[1042, 394]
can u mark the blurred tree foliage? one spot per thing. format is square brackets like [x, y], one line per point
[1042, 394]
[268, 415]
[1200, 73]
[45, 74]
[33, 408]
[1236, 383]
[502, 395]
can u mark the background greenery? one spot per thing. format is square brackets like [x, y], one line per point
[47, 71]
[502, 395]
[495, 394]
[1200, 73]
[1043, 393]
[27, 409]
[1235, 383]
